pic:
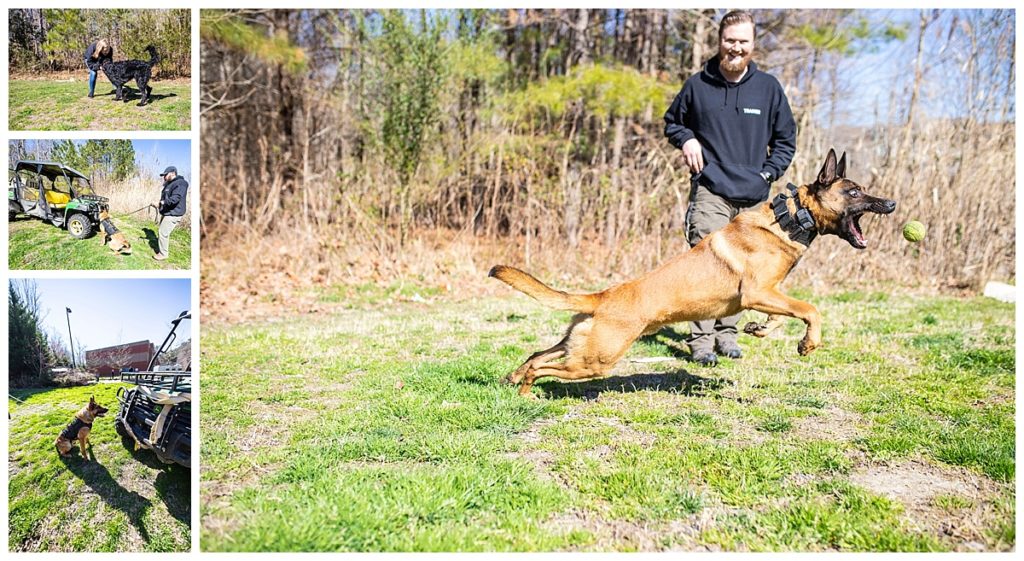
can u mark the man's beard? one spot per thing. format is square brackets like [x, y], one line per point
[735, 67]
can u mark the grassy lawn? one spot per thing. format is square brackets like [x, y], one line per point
[64, 105]
[35, 244]
[122, 501]
[384, 427]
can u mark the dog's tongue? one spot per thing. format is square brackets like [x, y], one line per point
[855, 230]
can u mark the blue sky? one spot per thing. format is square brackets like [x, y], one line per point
[107, 312]
[153, 154]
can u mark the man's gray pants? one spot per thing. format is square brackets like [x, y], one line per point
[167, 224]
[709, 212]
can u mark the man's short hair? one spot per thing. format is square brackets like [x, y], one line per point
[734, 17]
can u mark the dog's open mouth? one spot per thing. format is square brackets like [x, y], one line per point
[852, 231]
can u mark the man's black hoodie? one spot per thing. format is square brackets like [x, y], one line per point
[172, 197]
[737, 125]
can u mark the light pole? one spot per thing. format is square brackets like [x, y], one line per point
[71, 340]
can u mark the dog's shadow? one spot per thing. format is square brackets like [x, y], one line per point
[97, 477]
[133, 94]
[679, 381]
[173, 483]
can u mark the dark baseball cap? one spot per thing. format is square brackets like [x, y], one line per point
[170, 169]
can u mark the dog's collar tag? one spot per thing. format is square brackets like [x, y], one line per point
[801, 228]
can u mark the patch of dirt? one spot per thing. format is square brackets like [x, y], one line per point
[743, 433]
[834, 423]
[543, 460]
[671, 535]
[917, 484]
[530, 451]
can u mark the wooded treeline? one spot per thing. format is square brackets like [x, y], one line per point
[32, 352]
[55, 40]
[355, 131]
[101, 160]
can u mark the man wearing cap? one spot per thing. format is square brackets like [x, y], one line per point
[172, 207]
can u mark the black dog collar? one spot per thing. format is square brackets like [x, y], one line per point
[800, 227]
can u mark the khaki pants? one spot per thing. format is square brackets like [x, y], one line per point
[167, 224]
[709, 212]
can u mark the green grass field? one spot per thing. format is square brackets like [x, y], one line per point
[121, 501]
[64, 105]
[38, 245]
[384, 427]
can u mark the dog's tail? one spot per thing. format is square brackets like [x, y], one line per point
[527, 284]
[153, 56]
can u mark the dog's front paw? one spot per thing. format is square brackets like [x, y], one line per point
[756, 329]
[806, 347]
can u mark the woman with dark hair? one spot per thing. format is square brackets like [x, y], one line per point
[94, 57]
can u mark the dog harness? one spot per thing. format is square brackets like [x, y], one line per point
[109, 227]
[801, 227]
[71, 432]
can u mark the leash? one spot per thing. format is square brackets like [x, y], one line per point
[149, 206]
[801, 227]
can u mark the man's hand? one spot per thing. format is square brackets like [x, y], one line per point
[693, 153]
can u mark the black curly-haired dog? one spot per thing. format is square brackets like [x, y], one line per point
[124, 71]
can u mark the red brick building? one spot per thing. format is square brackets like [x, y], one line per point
[110, 360]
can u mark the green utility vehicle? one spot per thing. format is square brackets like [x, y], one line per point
[57, 194]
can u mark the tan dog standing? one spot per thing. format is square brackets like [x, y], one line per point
[112, 237]
[736, 268]
[79, 429]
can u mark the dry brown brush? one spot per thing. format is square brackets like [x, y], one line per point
[558, 163]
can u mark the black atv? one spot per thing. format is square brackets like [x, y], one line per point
[157, 413]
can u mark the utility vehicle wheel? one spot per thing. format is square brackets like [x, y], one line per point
[79, 226]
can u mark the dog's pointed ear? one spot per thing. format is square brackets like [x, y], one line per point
[827, 175]
[841, 167]
[92, 400]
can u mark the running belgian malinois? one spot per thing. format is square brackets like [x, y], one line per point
[79, 429]
[736, 268]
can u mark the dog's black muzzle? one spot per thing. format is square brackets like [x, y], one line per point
[883, 206]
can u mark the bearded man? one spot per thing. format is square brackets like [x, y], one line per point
[737, 133]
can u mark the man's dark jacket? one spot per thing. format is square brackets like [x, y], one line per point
[737, 124]
[173, 197]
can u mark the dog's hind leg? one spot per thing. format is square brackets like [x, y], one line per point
[143, 90]
[573, 372]
[554, 353]
[594, 349]
[535, 360]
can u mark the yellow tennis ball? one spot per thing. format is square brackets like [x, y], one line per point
[913, 231]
